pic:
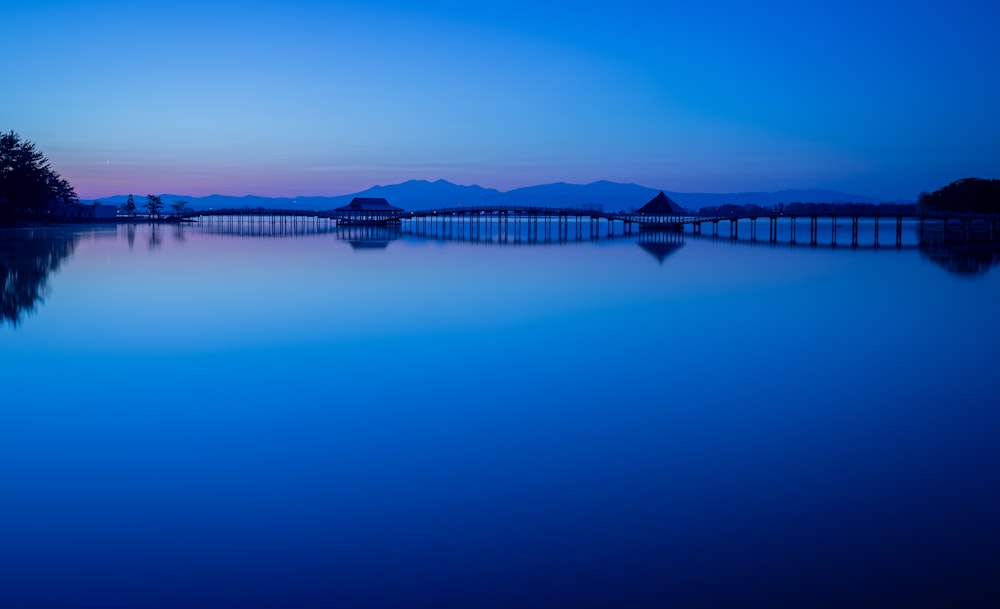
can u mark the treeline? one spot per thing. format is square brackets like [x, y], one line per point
[28, 185]
[809, 209]
[971, 195]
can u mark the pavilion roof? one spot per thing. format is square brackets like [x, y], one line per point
[369, 204]
[661, 205]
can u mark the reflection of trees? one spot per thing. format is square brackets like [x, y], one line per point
[155, 240]
[26, 259]
[967, 250]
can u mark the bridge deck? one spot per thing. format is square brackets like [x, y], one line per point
[565, 213]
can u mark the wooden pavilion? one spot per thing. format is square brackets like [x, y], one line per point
[362, 211]
[660, 211]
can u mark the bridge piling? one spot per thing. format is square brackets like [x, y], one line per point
[468, 224]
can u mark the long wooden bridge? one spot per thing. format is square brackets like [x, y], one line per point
[566, 223]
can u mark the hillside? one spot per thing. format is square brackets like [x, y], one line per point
[422, 194]
[975, 195]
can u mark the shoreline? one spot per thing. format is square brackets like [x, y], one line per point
[35, 223]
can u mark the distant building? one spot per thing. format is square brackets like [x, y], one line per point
[368, 210]
[105, 211]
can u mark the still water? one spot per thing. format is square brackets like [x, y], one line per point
[198, 416]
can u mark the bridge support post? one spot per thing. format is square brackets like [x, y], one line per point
[876, 232]
[854, 231]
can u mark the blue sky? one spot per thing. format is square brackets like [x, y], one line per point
[309, 98]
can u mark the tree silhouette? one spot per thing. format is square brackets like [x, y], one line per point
[154, 204]
[973, 195]
[28, 185]
[130, 207]
[178, 207]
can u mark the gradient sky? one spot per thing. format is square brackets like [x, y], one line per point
[881, 98]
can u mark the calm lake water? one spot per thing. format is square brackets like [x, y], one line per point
[291, 416]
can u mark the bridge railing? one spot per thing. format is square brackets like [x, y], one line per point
[529, 210]
[567, 212]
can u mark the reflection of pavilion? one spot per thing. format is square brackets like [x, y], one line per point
[661, 243]
[368, 236]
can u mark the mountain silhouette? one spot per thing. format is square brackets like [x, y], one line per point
[423, 194]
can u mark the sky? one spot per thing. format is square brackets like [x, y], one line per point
[299, 98]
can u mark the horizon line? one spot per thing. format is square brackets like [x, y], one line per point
[442, 180]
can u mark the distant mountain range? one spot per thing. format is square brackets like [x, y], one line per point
[421, 194]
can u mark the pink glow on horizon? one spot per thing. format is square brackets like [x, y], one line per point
[90, 184]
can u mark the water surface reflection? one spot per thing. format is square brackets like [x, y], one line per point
[27, 258]
[284, 420]
[970, 249]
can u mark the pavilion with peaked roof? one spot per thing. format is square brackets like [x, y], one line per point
[661, 205]
[660, 211]
[367, 211]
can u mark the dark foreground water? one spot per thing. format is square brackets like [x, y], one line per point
[190, 418]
